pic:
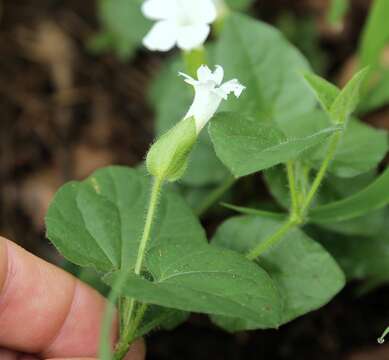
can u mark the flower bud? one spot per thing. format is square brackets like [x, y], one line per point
[168, 157]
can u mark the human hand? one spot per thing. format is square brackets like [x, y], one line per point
[47, 312]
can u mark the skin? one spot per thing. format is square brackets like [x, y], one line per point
[46, 312]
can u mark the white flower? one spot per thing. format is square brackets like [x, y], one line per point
[182, 22]
[209, 93]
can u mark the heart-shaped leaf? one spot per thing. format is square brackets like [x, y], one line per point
[205, 279]
[306, 275]
[270, 70]
[246, 145]
[98, 222]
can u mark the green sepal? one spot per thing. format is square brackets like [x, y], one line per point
[168, 157]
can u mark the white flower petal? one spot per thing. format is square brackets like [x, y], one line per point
[204, 74]
[188, 79]
[158, 9]
[208, 96]
[218, 75]
[231, 86]
[161, 37]
[192, 36]
[204, 106]
[203, 11]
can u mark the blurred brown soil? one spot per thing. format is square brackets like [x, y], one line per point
[65, 113]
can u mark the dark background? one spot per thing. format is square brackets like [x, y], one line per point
[65, 112]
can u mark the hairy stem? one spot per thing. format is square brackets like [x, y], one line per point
[132, 318]
[155, 192]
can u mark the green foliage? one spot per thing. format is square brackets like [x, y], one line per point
[373, 197]
[325, 92]
[360, 257]
[361, 149]
[295, 264]
[98, 222]
[377, 96]
[375, 34]
[123, 27]
[262, 269]
[348, 99]
[160, 317]
[246, 145]
[270, 70]
[339, 105]
[205, 279]
[239, 4]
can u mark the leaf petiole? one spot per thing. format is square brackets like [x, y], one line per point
[273, 239]
[332, 147]
[215, 195]
[290, 168]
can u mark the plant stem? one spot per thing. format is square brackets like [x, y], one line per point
[297, 214]
[215, 195]
[132, 320]
[273, 239]
[332, 147]
[124, 344]
[155, 191]
[290, 168]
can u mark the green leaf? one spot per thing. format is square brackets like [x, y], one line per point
[366, 225]
[360, 257]
[338, 104]
[332, 190]
[124, 24]
[98, 222]
[246, 145]
[325, 92]
[375, 34]
[157, 316]
[361, 149]
[239, 4]
[348, 99]
[307, 277]
[378, 95]
[373, 197]
[205, 279]
[270, 70]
